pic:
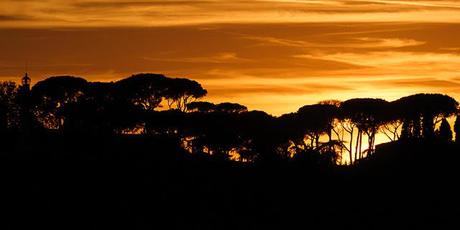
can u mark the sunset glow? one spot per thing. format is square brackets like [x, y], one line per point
[269, 55]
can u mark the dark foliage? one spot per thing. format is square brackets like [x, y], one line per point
[457, 129]
[421, 112]
[445, 131]
[78, 155]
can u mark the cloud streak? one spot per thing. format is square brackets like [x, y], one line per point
[84, 13]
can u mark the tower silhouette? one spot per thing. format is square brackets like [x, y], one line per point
[25, 114]
[25, 82]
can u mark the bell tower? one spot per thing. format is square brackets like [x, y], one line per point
[25, 115]
[25, 82]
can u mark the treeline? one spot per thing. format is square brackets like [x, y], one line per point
[156, 105]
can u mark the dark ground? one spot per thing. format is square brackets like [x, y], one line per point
[149, 183]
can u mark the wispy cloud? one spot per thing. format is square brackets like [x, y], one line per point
[94, 13]
[224, 57]
[396, 59]
[12, 18]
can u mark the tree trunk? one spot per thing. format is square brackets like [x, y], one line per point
[351, 146]
[369, 141]
[358, 140]
[360, 145]
[316, 141]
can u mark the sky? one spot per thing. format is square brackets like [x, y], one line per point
[274, 56]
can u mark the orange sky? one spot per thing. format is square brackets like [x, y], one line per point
[270, 55]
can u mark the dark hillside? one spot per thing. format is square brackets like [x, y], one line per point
[142, 183]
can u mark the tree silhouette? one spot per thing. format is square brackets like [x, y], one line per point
[445, 131]
[337, 127]
[250, 136]
[144, 90]
[393, 122]
[227, 130]
[367, 115]
[457, 129]
[52, 94]
[225, 107]
[406, 131]
[299, 134]
[82, 118]
[228, 107]
[172, 123]
[421, 113]
[317, 120]
[344, 125]
[147, 90]
[291, 134]
[8, 108]
[218, 132]
[201, 106]
[181, 91]
[260, 135]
